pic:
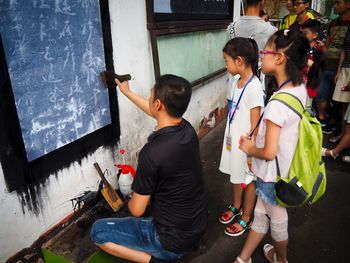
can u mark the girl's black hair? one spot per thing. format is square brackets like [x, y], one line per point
[296, 48]
[245, 48]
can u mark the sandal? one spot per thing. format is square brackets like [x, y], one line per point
[335, 139]
[242, 261]
[325, 152]
[346, 158]
[267, 248]
[233, 231]
[226, 219]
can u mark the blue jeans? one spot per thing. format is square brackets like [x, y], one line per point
[326, 88]
[135, 233]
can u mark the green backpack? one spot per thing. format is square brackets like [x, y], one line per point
[306, 181]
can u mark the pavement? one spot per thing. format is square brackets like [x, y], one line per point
[317, 233]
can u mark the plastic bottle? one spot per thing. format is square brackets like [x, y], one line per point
[125, 179]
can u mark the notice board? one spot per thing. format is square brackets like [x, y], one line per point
[54, 53]
[175, 10]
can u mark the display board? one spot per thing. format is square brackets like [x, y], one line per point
[54, 52]
[166, 10]
[192, 55]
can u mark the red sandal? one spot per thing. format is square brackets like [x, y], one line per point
[226, 219]
[233, 231]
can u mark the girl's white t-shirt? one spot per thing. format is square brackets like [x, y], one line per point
[288, 120]
[234, 162]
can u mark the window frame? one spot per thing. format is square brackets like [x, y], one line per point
[161, 28]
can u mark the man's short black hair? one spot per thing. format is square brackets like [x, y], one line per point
[174, 92]
[313, 24]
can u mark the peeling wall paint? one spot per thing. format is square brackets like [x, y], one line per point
[24, 217]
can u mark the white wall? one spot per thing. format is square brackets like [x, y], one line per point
[132, 54]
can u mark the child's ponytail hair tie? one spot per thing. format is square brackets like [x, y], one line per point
[285, 32]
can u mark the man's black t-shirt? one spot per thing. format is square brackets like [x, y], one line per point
[169, 169]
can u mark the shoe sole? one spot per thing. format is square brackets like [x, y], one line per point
[230, 220]
[236, 234]
[327, 132]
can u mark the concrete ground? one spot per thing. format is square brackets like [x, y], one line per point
[318, 233]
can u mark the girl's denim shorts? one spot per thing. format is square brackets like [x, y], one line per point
[266, 191]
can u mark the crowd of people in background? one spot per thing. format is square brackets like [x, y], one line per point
[323, 85]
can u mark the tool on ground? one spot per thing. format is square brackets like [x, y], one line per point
[108, 78]
[108, 192]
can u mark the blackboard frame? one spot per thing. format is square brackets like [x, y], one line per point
[166, 27]
[19, 173]
[162, 17]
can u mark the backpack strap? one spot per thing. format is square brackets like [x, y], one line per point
[294, 104]
[290, 101]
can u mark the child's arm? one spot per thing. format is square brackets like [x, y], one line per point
[310, 62]
[254, 118]
[141, 102]
[269, 151]
[341, 59]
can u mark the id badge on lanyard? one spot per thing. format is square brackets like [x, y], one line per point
[233, 107]
[228, 142]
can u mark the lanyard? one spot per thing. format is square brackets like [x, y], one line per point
[231, 115]
[257, 125]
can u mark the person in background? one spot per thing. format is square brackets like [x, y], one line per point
[246, 98]
[313, 70]
[342, 94]
[252, 25]
[284, 57]
[336, 34]
[169, 174]
[301, 8]
[289, 19]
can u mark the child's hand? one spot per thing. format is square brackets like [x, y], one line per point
[123, 86]
[246, 144]
[346, 88]
[336, 78]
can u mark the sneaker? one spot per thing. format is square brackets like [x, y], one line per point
[328, 129]
[336, 138]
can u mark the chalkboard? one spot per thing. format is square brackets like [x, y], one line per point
[54, 53]
[172, 10]
[192, 55]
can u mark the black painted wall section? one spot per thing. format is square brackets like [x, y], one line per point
[28, 178]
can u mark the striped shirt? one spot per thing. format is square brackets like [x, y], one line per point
[346, 47]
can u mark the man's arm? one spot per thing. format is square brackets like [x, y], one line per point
[141, 102]
[138, 203]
